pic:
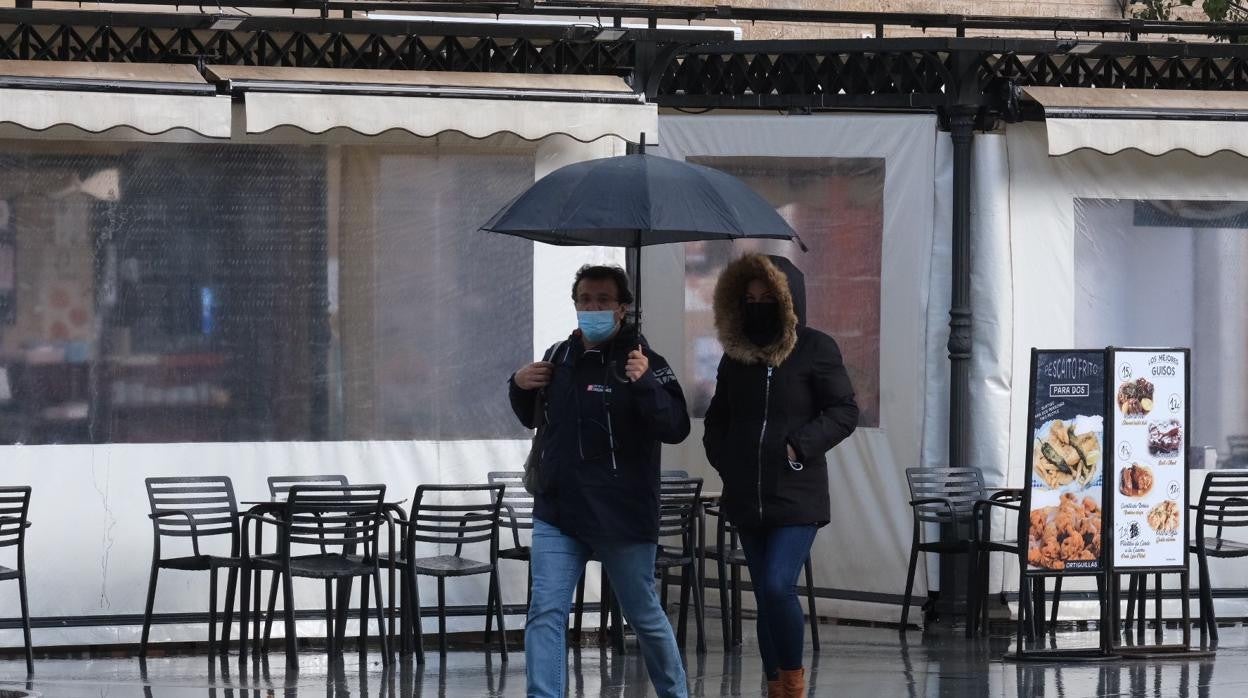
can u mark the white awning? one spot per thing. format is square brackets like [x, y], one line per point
[426, 103]
[1153, 121]
[96, 97]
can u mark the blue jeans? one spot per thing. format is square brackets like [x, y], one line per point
[775, 557]
[557, 563]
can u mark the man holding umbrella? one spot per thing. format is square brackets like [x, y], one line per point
[609, 402]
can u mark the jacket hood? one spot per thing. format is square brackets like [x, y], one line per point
[789, 286]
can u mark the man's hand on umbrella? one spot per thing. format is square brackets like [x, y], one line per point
[637, 364]
[535, 375]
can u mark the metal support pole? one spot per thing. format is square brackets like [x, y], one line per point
[962, 128]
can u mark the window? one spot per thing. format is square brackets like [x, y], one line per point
[1172, 274]
[837, 206]
[177, 292]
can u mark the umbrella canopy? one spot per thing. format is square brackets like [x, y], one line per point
[638, 200]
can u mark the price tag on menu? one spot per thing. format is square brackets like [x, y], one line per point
[1150, 469]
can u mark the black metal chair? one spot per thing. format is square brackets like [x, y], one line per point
[347, 518]
[945, 496]
[730, 559]
[678, 511]
[279, 490]
[517, 516]
[14, 506]
[195, 508]
[1223, 504]
[957, 497]
[432, 520]
[984, 544]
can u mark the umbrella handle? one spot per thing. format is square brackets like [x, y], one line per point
[617, 373]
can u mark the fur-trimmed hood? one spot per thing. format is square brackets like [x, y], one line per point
[789, 286]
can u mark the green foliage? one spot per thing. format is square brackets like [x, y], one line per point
[1224, 10]
[1159, 10]
[1234, 11]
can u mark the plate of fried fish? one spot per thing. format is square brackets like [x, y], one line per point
[1066, 455]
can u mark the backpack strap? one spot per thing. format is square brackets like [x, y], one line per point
[553, 350]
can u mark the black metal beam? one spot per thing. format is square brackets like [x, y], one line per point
[915, 103]
[921, 73]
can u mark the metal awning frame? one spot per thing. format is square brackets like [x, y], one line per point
[239, 88]
[692, 70]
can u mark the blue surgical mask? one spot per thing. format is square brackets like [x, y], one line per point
[596, 325]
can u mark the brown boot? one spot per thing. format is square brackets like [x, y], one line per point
[793, 683]
[774, 689]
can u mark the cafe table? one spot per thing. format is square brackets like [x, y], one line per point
[393, 511]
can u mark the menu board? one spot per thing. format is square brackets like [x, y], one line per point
[1150, 465]
[1064, 490]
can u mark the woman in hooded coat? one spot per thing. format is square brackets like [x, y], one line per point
[782, 401]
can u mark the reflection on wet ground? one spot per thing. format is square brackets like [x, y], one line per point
[855, 661]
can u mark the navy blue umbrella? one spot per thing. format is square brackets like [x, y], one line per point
[638, 200]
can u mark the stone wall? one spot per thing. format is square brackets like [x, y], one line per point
[784, 30]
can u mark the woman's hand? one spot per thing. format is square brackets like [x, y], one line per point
[792, 453]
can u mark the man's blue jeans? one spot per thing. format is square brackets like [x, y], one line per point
[775, 557]
[557, 563]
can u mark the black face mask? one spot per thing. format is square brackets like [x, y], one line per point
[762, 322]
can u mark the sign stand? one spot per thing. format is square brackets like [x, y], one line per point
[1060, 521]
[1106, 490]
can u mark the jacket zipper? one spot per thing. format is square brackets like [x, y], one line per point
[611, 441]
[761, 434]
[607, 408]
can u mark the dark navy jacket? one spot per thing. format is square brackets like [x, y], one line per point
[602, 437]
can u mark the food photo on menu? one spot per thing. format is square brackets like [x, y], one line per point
[1165, 438]
[1065, 521]
[1135, 397]
[1136, 480]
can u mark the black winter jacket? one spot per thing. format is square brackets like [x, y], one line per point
[793, 392]
[602, 438]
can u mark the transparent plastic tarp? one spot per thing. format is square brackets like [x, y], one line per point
[1173, 274]
[192, 293]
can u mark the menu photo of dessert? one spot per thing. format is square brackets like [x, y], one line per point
[1165, 439]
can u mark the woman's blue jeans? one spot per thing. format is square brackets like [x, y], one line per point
[775, 557]
[557, 563]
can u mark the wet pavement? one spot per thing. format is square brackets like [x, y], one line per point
[875, 662]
